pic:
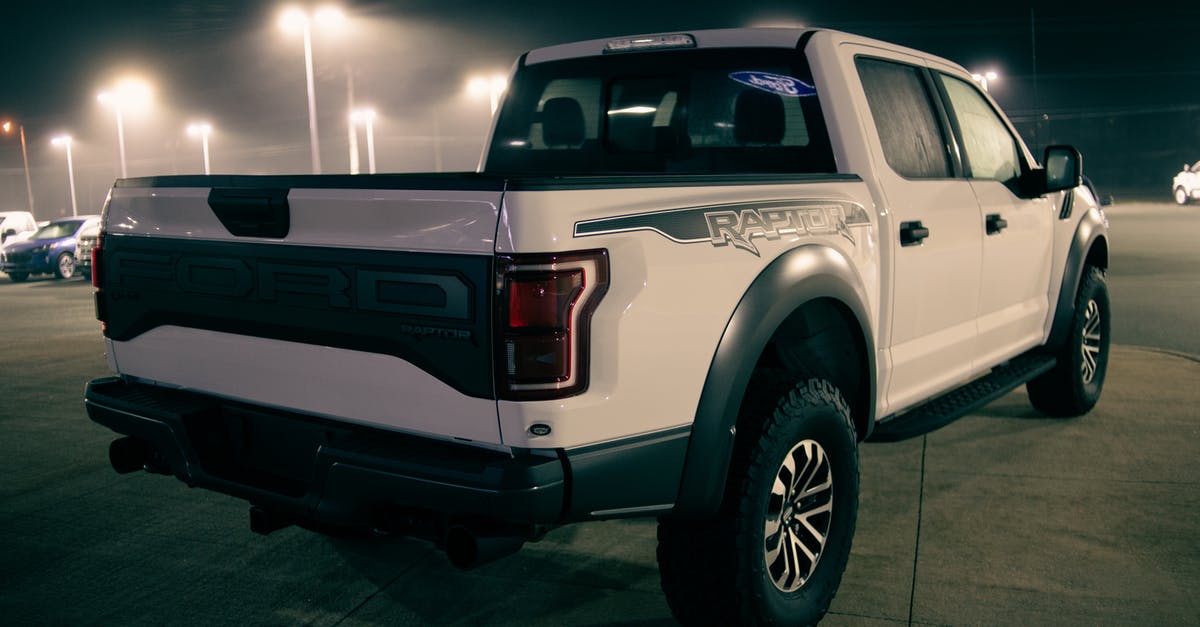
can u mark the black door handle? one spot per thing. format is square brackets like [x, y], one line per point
[995, 224]
[911, 233]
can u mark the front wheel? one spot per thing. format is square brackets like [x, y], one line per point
[1073, 386]
[1181, 196]
[776, 550]
[64, 267]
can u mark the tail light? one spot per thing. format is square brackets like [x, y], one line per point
[544, 307]
[98, 280]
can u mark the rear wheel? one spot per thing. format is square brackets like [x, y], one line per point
[1181, 196]
[776, 550]
[1073, 386]
[64, 266]
[18, 277]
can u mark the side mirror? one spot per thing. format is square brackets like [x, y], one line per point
[1064, 168]
[7, 234]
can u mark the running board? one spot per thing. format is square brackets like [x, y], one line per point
[959, 402]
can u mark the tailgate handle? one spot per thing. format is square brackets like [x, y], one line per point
[252, 212]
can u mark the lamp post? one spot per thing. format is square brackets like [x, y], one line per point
[65, 141]
[202, 130]
[490, 86]
[984, 77]
[129, 94]
[366, 117]
[298, 20]
[6, 126]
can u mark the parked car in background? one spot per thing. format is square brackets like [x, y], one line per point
[88, 237]
[51, 249]
[16, 224]
[1186, 186]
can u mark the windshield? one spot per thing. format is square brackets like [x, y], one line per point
[57, 230]
[712, 111]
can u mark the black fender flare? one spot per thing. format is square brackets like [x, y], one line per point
[794, 278]
[1092, 231]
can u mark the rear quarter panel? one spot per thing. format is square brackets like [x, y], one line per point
[654, 335]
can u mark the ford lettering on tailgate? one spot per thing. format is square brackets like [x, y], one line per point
[426, 308]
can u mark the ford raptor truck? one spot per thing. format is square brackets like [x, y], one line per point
[691, 273]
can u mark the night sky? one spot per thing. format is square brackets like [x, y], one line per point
[229, 63]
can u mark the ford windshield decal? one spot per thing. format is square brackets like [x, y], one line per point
[775, 83]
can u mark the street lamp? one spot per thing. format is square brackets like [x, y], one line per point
[130, 94]
[293, 20]
[65, 140]
[984, 77]
[7, 126]
[201, 130]
[366, 117]
[490, 86]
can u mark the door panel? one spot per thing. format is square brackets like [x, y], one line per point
[936, 279]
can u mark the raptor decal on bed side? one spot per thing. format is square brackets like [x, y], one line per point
[738, 224]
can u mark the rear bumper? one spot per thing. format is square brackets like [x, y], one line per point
[322, 470]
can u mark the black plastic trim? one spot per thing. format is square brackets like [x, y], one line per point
[324, 470]
[636, 476]
[1091, 230]
[252, 212]
[528, 183]
[801, 275]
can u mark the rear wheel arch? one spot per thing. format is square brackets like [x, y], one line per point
[809, 296]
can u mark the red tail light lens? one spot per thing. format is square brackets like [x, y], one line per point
[543, 322]
[98, 281]
[542, 299]
[96, 259]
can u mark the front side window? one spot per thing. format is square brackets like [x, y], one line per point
[990, 150]
[712, 111]
[904, 116]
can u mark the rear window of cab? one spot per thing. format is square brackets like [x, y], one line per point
[709, 111]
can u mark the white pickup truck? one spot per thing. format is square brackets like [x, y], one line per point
[1185, 187]
[693, 271]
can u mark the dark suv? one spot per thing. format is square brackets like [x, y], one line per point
[51, 249]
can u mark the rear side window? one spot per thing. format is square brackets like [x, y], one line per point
[900, 103]
[713, 111]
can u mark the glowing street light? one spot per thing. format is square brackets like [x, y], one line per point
[7, 127]
[366, 117]
[201, 130]
[293, 20]
[65, 141]
[983, 78]
[129, 95]
[490, 86]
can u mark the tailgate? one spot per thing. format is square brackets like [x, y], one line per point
[358, 298]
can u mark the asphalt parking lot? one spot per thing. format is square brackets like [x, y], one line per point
[1004, 517]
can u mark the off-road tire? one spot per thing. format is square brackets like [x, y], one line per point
[1073, 386]
[715, 571]
[64, 266]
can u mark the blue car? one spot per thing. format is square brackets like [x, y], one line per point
[51, 249]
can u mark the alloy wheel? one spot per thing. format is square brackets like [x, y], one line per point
[1090, 346]
[798, 516]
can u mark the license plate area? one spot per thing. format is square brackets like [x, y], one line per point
[260, 449]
